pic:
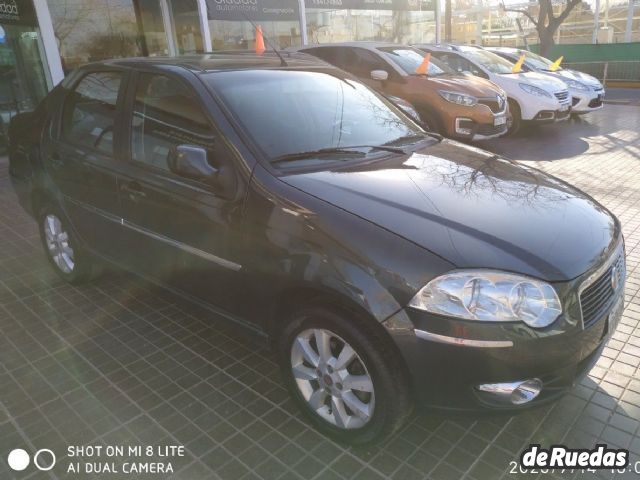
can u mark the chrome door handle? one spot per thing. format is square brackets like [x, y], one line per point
[134, 191]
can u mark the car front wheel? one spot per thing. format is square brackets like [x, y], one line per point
[347, 380]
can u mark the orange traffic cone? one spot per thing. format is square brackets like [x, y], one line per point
[423, 68]
[259, 41]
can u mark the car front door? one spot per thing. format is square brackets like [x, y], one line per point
[181, 229]
[82, 156]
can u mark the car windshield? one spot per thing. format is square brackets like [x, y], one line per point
[489, 61]
[409, 59]
[536, 61]
[293, 113]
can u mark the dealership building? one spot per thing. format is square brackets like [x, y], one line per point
[41, 40]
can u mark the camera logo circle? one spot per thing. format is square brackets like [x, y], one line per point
[18, 459]
[44, 459]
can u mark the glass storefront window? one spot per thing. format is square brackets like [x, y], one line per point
[186, 25]
[92, 30]
[151, 24]
[326, 25]
[240, 35]
[23, 78]
[230, 29]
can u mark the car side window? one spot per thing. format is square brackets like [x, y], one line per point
[89, 111]
[461, 65]
[363, 61]
[328, 54]
[166, 114]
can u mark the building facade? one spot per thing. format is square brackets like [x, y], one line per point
[42, 40]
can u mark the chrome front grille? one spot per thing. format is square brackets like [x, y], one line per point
[598, 297]
[496, 104]
[562, 96]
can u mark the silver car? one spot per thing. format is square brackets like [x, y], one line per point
[586, 91]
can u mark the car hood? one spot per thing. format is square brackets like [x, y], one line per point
[474, 209]
[546, 82]
[471, 85]
[579, 76]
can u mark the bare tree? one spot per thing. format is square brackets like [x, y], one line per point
[67, 15]
[546, 22]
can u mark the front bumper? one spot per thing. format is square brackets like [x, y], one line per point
[466, 128]
[587, 101]
[551, 116]
[449, 358]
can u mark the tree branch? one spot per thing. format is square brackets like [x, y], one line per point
[523, 12]
[565, 13]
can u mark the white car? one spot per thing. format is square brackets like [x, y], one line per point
[586, 91]
[533, 97]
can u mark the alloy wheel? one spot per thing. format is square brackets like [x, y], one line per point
[332, 378]
[57, 240]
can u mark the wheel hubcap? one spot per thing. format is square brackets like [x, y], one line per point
[58, 243]
[332, 378]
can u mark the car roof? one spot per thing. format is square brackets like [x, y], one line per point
[369, 45]
[444, 47]
[505, 50]
[220, 61]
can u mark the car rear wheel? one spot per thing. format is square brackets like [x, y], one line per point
[347, 381]
[62, 247]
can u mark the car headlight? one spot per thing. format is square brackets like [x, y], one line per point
[490, 296]
[405, 106]
[458, 98]
[575, 84]
[534, 90]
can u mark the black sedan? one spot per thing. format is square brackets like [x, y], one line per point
[385, 264]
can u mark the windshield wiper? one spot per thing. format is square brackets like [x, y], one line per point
[414, 138]
[289, 157]
[351, 150]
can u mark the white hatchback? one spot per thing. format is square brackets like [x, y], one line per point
[586, 91]
[533, 97]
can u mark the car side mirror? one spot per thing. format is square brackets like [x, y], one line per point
[190, 161]
[380, 75]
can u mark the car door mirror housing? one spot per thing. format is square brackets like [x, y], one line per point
[380, 75]
[190, 161]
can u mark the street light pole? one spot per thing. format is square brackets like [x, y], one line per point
[447, 21]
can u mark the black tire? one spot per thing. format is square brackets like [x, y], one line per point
[516, 117]
[429, 122]
[391, 394]
[83, 263]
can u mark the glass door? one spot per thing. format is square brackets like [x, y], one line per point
[186, 24]
[151, 25]
[23, 81]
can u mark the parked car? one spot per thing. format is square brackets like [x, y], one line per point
[386, 266]
[532, 97]
[587, 93]
[448, 103]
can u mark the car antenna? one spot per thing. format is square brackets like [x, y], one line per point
[283, 62]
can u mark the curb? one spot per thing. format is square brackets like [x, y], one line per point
[622, 102]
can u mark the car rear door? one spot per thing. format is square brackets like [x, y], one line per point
[82, 155]
[180, 231]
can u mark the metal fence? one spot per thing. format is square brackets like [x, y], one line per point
[627, 71]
